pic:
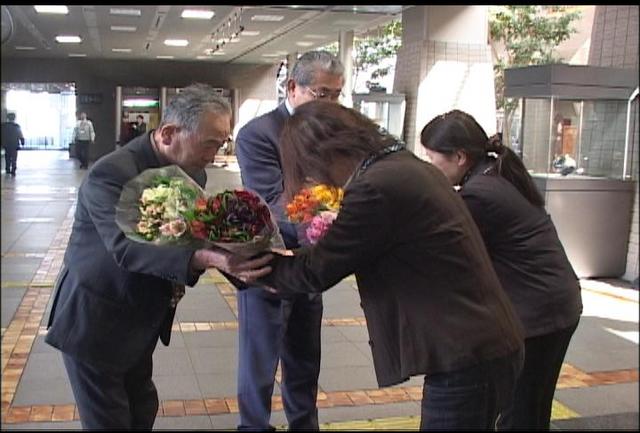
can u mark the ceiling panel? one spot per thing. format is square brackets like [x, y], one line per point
[302, 27]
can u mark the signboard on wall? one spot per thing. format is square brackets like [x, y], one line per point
[89, 98]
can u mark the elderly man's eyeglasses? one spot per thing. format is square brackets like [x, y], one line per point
[218, 143]
[332, 95]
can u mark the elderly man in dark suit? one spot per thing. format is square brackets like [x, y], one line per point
[115, 297]
[273, 327]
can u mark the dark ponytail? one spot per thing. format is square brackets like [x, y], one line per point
[457, 130]
[510, 166]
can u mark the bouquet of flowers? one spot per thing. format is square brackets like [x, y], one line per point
[315, 208]
[164, 206]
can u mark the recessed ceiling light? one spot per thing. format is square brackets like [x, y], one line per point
[202, 57]
[176, 42]
[315, 36]
[77, 55]
[304, 44]
[165, 57]
[267, 18]
[250, 32]
[121, 50]
[271, 55]
[129, 12]
[50, 9]
[198, 14]
[23, 48]
[124, 28]
[68, 39]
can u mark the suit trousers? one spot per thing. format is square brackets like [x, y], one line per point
[10, 160]
[113, 400]
[272, 329]
[82, 151]
[536, 385]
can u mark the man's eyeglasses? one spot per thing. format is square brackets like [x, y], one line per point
[219, 143]
[332, 95]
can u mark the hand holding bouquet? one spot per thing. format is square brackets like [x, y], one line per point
[165, 206]
[315, 208]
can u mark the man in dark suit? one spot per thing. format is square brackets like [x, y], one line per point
[272, 327]
[115, 297]
[12, 139]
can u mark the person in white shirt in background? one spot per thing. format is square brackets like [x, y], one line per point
[83, 136]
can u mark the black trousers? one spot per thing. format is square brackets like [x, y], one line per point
[536, 385]
[82, 152]
[114, 400]
[10, 159]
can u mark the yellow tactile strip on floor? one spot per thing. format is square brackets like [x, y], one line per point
[217, 406]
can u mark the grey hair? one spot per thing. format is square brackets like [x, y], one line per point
[303, 72]
[186, 108]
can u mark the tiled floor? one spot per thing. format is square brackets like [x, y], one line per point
[195, 376]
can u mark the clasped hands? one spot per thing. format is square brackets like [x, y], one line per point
[246, 270]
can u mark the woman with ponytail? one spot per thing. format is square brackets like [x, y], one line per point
[524, 248]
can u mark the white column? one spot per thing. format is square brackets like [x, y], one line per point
[118, 114]
[444, 64]
[346, 57]
[163, 101]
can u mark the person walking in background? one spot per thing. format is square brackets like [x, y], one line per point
[114, 297]
[273, 327]
[83, 136]
[525, 250]
[432, 301]
[126, 130]
[12, 139]
[139, 127]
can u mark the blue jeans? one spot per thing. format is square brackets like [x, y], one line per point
[272, 329]
[472, 398]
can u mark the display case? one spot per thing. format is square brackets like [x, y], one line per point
[386, 109]
[571, 129]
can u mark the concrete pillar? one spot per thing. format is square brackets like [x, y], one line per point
[346, 57]
[118, 114]
[444, 63]
[163, 101]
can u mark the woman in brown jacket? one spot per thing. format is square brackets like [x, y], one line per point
[432, 300]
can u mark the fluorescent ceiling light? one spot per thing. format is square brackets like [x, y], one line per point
[165, 57]
[121, 50]
[270, 55]
[50, 9]
[250, 33]
[267, 18]
[77, 55]
[124, 28]
[315, 36]
[129, 12]
[176, 42]
[197, 14]
[68, 39]
[304, 44]
[23, 48]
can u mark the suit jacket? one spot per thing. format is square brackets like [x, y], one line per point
[258, 155]
[12, 136]
[526, 252]
[432, 300]
[112, 296]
